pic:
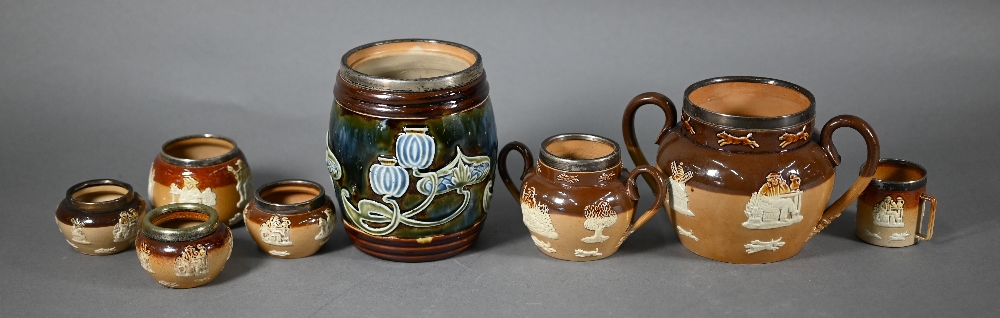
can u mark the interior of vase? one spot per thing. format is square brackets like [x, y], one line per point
[411, 60]
[893, 171]
[180, 219]
[749, 99]
[99, 193]
[289, 193]
[577, 149]
[198, 148]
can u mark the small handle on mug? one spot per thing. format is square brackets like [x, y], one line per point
[529, 162]
[867, 171]
[930, 222]
[628, 126]
[633, 193]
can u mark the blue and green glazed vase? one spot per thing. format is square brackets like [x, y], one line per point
[412, 148]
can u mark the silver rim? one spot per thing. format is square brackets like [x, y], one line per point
[900, 185]
[101, 206]
[379, 83]
[163, 234]
[185, 162]
[580, 165]
[315, 203]
[742, 122]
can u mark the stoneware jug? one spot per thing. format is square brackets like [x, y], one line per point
[749, 179]
[577, 202]
[411, 147]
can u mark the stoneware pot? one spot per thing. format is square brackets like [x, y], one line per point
[749, 179]
[183, 245]
[411, 147]
[891, 209]
[578, 203]
[205, 169]
[100, 217]
[290, 218]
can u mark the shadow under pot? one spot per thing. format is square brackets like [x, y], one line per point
[205, 169]
[183, 245]
[290, 218]
[100, 217]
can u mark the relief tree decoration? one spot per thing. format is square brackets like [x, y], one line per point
[599, 216]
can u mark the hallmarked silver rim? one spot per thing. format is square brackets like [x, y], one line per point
[194, 163]
[379, 83]
[580, 165]
[314, 203]
[163, 234]
[900, 185]
[743, 122]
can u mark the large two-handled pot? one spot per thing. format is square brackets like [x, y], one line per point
[749, 178]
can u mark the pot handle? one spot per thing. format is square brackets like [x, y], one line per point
[920, 216]
[867, 171]
[529, 162]
[633, 193]
[628, 127]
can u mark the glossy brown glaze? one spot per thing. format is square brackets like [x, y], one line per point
[284, 230]
[891, 208]
[410, 104]
[189, 263]
[425, 249]
[100, 217]
[749, 176]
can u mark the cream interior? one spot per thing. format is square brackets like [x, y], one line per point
[198, 148]
[897, 172]
[180, 220]
[579, 149]
[289, 194]
[100, 193]
[749, 99]
[411, 60]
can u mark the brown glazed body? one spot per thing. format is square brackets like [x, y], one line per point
[578, 213]
[749, 175]
[204, 169]
[290, 218]
[100, 217]
[174, 254]
[891, 209]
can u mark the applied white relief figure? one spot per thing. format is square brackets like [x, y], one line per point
[325, 225]
[190, 193]
[899, 236]
[776, 204]
[758, 245]
[193, 261]
[599, 217]
[77, 231]
[875, 235]
[536, 215]
[127, 226]
[678, 188]
[543, 245]
[888, 213]
[582, 253]
[243, 184]
[687, 233]
[274, 231]
[143, 251]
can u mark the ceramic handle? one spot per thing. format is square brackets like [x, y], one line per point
[529, 163]
[930, 222]
[633, 193]
[867, 171]
[628, 126]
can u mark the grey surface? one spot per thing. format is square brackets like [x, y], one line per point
[91, 89]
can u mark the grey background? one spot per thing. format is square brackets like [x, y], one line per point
[91, 89]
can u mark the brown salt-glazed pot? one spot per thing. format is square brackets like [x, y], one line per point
[578, 202]
[206, 169]
[183, 245]
[290, 218]
[891, 209]
[100, 217]
[749, 179]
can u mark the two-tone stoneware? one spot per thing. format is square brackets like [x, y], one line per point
[290, 218]
[891, 209]
[577, 202]
[205, 169]
[100, 217]
[183, 245]
[411, 148]
[749, 174]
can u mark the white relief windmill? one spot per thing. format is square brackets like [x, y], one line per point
[599, 217]
[190, 193]
[274, 231]
[127, 226]
[888, 213]
[678, 188]
[776, 204]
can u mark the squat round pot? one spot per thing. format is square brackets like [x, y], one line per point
[183, 245]
[290, 218]
[100, 217]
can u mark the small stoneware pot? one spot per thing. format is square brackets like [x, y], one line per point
[290, 218]
[578, 202]
[183, 245]
[100, 217]
[205, 169]
[891, 209]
